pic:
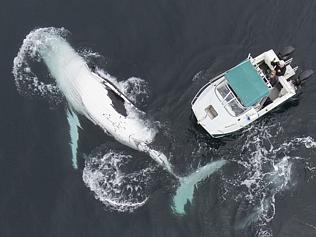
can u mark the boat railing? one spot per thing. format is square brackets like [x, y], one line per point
[295, 69]
[263, 76]
[249, 57]
[289, 61]
[204, 87]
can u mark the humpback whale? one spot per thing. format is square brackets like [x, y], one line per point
[98, 99]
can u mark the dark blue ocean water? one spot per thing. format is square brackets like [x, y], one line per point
[166, 43]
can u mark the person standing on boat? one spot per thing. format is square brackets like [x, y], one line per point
[279, 70]
[279, 67]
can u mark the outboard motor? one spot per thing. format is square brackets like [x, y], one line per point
[286, 52]
[303, 77]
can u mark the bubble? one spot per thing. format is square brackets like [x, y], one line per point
[27, 81]
[266, 170]
[106, 173]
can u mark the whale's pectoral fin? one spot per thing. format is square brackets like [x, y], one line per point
[74, 125]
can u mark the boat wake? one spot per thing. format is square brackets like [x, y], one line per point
[266, 170]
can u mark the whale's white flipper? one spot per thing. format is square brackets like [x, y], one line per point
[74, 125]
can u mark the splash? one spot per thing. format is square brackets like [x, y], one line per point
[266, 170]
[185, 190]
[106, 174]
[74, 125]
[26, 81]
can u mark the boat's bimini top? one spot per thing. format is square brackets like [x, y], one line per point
[247, 83]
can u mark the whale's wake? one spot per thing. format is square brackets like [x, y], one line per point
[265, 171]
[106, 174]
[27, 82]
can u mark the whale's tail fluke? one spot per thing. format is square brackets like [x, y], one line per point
[185, 190]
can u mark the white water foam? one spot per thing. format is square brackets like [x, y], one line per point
[116, 189]
[266, 171]
[26, 80]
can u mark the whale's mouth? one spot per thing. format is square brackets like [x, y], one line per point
[117, 102]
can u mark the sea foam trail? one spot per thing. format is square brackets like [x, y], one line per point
[105, 174]
[266, 169]
[87, 95]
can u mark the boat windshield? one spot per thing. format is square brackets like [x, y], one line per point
[229, 100]
[235, 106]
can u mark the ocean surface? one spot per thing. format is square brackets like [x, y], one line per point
[62, 175]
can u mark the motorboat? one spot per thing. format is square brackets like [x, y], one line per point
[236, 98]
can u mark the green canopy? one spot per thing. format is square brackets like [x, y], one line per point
[247, 83]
